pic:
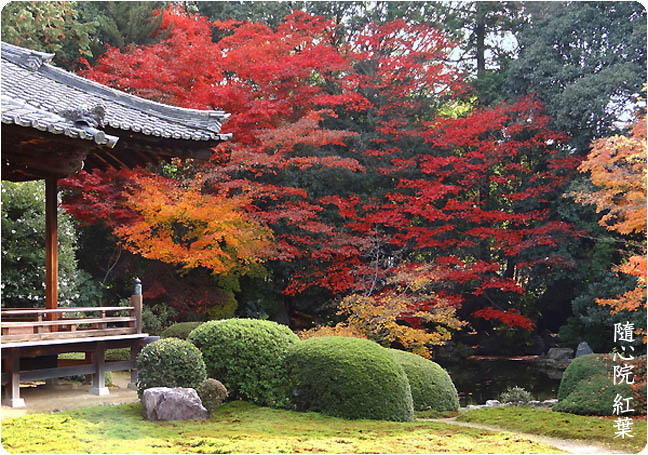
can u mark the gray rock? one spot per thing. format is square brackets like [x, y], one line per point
[180, 403]
[534, 403]
[560, 353]
[549, 402]
[583, 349]
[475, 406]
[492, 403]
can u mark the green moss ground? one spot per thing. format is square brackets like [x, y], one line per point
[240, 427]
[432, 414]
[592, 429]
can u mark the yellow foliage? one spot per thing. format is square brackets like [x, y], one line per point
[339, 330]
[406, 312]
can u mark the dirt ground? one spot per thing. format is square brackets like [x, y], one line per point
[65, 396]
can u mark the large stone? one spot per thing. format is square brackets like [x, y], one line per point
[560, 353]
[492, 403]
[583, 349]
[180, 403]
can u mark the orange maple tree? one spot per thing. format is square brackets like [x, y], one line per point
[183, 225]
[617, 166]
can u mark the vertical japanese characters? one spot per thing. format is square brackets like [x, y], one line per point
[623, 333]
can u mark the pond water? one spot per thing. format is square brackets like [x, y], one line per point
[484, 379]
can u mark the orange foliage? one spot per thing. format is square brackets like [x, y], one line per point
[187, 227]
[617, 165]
[407, 312]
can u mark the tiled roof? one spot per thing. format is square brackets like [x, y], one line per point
[38, 95]
[29, 116]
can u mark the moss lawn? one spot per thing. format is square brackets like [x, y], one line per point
[240, 427]
[592, 429]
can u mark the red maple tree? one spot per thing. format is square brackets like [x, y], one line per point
[408, 182]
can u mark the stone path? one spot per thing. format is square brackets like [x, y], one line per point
[567, 445]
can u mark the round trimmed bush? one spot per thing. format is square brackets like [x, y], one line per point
[212, 393]
[348, 377]
[247, 356]
[430, 384]
[594, 396]
[180, 330]
[170, 362]
[582, 368]
[587, 386]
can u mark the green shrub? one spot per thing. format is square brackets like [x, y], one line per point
[169, 363]
[156, 318]
[247, 356]
[515, 395]
[587, 386]
[348, 377]
[430, 384]
[212, 393]
[582, 368]
[179, 330]
[593, 396]
[118, 354]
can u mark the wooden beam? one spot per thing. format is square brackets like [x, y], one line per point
[63, 335]
[78, 344]
[51, 246]
[67, 322]
[85, 309]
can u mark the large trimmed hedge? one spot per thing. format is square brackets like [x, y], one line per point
[180, 330]
[170, 362]
[430, 384]
[247, 356]
[587, 386]
[582, 368]
[593, 396]
[348, 377]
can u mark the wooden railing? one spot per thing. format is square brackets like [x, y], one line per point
[32, 324]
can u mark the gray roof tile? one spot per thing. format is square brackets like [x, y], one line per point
[38, 95]
[26, 115]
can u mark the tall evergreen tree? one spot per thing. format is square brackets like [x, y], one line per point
[54, 27]
[586, 61]
[120, 24]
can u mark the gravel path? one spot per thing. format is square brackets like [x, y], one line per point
[567, 445]
[68, 396]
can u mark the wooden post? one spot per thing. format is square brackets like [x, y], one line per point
[12, 390]
[134, 350]
[87, 357]
[99, 378]
[51, 247]
[136, 301]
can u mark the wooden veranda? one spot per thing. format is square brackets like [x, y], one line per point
[55, 123]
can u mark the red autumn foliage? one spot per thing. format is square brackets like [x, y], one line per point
[470, 195]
